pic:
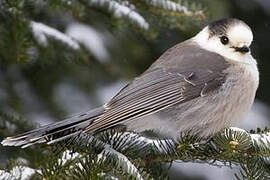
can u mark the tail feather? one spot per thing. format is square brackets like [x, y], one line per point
[56, 131]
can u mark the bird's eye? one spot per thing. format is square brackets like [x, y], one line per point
[224, 40]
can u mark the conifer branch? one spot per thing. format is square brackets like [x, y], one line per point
[118, 11]
[17, 172]
[42, 31]
[130, 153]
[172, 6]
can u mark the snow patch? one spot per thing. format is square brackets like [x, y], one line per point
[237, 129]
[90, 38]
[118, 10]
[261, 138]
[68, 156]
[41, 31]
[169, 5]
[18, 172]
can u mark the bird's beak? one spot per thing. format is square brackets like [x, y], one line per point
[243, 49]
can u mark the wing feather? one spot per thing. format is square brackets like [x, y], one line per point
[184, 72]
[145, 96]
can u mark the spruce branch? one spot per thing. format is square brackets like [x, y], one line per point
[17, 173]
[15, 39]
[172, 6]
[42, 31]
[131, 154]
[118, 10]
[230, 146]
[109, 155]
[22, 33]
[132, 10]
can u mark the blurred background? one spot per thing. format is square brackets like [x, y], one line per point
[63, 57]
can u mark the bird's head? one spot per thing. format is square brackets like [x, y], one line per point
[229, 37]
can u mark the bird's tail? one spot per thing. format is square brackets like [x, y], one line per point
[56, 131]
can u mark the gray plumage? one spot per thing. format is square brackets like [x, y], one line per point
[184, 77]
[189, 88]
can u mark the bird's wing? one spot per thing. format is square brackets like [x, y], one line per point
[159, 88]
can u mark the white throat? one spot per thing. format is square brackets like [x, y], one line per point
[246, 61]
[213, 44]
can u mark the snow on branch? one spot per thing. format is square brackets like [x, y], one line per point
[171, 6]
[122, 162]
[93, 40]
[132, 141]
[263, 138]
[17, 172]
[76, 33]
[125, 150]
[118, 10]
[41, 31]
[262, 143]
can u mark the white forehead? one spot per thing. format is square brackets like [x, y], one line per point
[240, 33]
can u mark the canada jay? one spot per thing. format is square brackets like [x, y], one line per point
[201, 85]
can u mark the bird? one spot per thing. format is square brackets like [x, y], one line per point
[200, 86]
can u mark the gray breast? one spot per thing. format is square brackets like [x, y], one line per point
[187, 88]
[209, 75]
[207, 115]
[223, 106]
